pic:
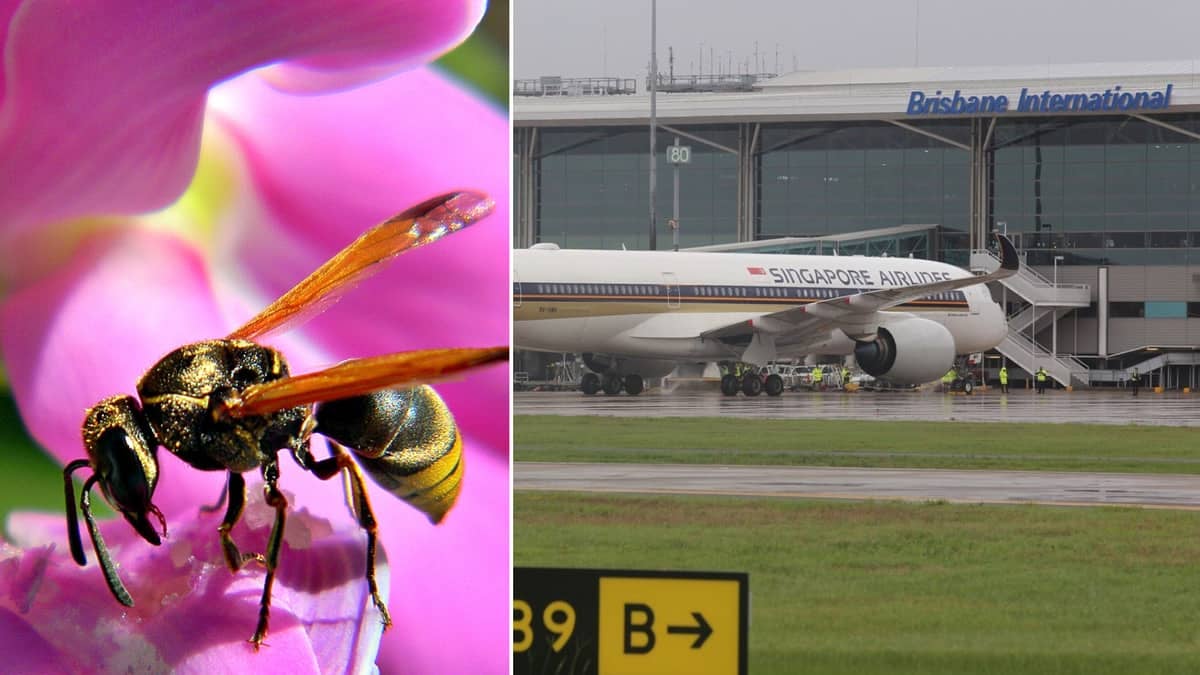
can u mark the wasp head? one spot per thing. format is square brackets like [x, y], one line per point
[121, 451]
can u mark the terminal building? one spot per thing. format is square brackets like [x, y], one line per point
[1093, 170]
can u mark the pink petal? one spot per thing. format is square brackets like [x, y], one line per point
[24, 650]
[191, 614]
[124, 300]
[93, 124]
[328, 168]
[451, 581]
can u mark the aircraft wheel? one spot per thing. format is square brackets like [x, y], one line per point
[611, 384]
[729, 385]
[634, 385]
[774, 385]
[590, 383]
[752, 385]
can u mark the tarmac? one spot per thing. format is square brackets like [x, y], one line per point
[1100, 406]
[997, 487]
[1094, 406]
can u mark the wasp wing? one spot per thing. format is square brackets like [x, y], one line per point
[362, 376]
[422, 224]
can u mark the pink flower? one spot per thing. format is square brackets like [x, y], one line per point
[191, 614]
[90, 127]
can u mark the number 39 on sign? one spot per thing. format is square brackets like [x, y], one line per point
[557, 618]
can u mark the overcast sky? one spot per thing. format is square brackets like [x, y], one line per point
[578, 38]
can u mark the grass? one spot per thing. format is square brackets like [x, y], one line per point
[883, 587]
[909, 444]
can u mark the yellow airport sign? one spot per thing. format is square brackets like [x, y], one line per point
[627, 622]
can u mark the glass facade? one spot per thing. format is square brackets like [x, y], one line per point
[1099, 190]
[820, 179]
[594, 187]
[1095, 190]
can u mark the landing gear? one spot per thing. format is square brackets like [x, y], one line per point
[774, 385]
[590, 384]
[752, 384]
[729, 385]
[634, 385]
[611, 384]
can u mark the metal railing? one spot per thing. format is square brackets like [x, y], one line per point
[575, 86]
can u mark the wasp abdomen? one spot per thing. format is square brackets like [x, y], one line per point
[405, 439]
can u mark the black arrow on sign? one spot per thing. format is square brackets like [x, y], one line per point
[701, 630]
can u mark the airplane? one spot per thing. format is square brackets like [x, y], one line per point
[638, 314]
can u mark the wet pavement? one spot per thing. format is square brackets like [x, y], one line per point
[1103, 406]
[1004, 487]
[1100, 406]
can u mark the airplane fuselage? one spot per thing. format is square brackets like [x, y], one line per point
[653, 304]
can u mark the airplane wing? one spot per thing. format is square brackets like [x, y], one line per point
[856, 312]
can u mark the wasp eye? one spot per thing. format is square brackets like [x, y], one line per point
[122, 470]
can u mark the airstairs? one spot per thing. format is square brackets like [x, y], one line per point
[1046, 303]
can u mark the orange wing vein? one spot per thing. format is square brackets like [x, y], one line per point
[422, 224]
[362, 376]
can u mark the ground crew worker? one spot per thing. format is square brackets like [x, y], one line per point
[816, 378]
[845, 376]
[1134, 380]
[1003, 379]
[948, 379]
[1041, 380]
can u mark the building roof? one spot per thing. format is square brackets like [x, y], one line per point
[866, 93]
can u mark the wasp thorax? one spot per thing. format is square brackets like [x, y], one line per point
[184, 390]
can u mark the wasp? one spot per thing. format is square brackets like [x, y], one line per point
[232, 405]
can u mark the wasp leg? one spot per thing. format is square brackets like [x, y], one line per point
[209, 508]
[73, 538]
[360, 508]
[110, 570]
[234, 558]
[276, 500]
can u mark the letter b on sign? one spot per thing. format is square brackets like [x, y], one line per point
[639, 623]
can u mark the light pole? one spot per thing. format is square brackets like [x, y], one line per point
[653, 121]
[1054, 326]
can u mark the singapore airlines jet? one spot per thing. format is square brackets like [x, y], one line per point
[635, 314]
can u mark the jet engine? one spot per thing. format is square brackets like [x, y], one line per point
[908, 351]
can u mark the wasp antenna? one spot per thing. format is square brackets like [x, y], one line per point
[76, 542]
[106, 563]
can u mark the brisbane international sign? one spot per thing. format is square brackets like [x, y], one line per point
[1113, 99]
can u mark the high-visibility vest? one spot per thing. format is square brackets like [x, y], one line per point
[816, 374]
[1041, 375]
[949, 376]
[1004, 376]
[845, 374]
